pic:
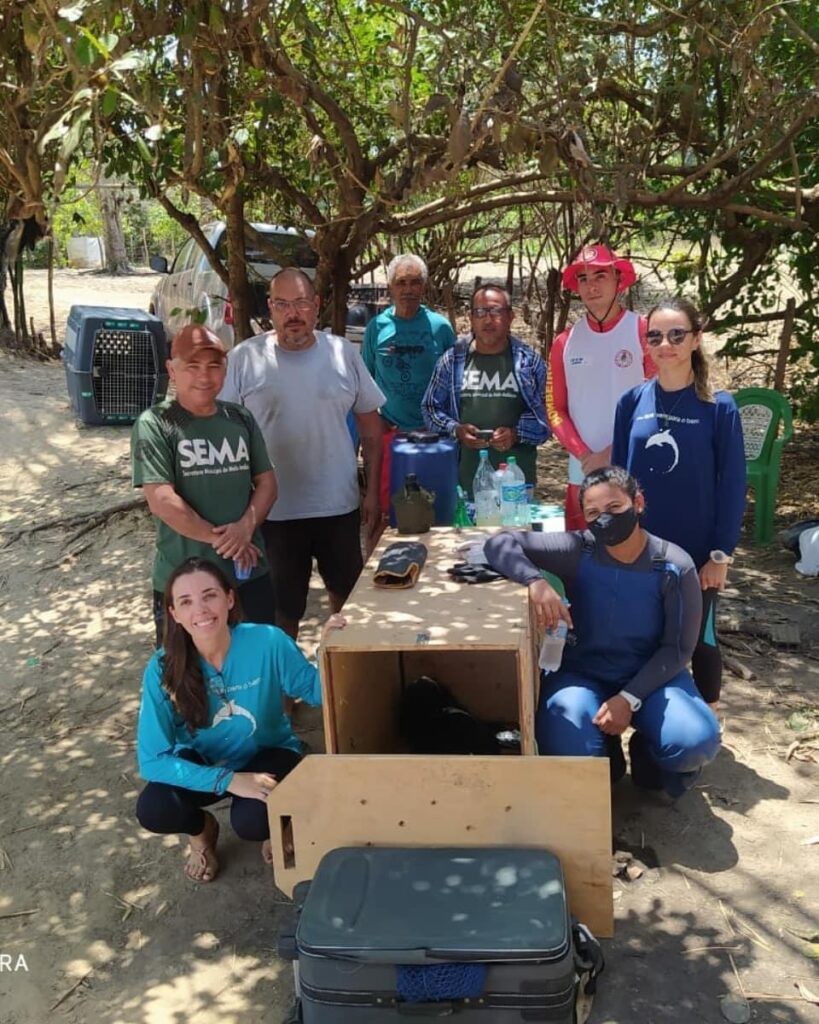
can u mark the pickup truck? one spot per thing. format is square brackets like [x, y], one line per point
[189, 284]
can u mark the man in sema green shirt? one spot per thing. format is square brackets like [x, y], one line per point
[207, 478]
[488, 391]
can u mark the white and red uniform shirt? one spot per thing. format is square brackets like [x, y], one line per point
[589, 369]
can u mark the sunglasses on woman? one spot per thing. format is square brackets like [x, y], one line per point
[675, 335]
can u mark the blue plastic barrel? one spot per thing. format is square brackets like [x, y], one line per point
[434, 460]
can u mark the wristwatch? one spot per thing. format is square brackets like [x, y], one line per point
[720, 558]
[633, 702]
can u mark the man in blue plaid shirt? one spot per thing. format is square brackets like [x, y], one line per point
[489, 391]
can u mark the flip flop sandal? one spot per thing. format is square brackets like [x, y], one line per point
[198, 859]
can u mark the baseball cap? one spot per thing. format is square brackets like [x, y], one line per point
[599, 256]
[193, 338]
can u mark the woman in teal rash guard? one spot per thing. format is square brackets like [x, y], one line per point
[211, 722]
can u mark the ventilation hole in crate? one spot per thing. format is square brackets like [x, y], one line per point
[288, 845]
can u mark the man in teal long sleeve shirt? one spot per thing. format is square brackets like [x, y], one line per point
[400, 349]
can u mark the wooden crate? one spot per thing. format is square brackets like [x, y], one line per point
[560, 804]
[479, 642]
[473, 638]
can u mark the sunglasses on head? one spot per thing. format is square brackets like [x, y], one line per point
[675, 335]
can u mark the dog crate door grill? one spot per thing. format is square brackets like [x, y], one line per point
[123, 371]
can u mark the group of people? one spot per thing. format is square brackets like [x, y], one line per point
[251, 474]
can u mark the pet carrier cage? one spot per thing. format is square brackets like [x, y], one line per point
[114, 363]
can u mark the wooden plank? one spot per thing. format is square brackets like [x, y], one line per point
[366, 692]
[556, 803]
[436, 611]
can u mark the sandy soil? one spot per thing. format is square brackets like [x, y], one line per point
[110, 931]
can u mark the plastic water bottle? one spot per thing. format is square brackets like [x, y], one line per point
[551, 650]
[461, 515]
[241, 572]
[485, 493]
[498, 476]
[514, 507]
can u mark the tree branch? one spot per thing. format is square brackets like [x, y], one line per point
[796, 28]
[268, 175]
[285, 68]
[638, 30]
[493, 88]
[191, 225]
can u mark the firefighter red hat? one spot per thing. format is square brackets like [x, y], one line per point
[599, 256]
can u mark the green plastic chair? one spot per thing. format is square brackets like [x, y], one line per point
[762, 410]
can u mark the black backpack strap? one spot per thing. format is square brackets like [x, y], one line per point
[588, 956]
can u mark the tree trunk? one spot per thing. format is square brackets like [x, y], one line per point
[332, 280]
[52, 323]
[784, 345]
[20, 329]
[238, 288]
[338, 298]
[110, 199]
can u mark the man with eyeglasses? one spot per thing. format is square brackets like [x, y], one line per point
[400, 349]
[300, 383]
[593, 363]
[489, 391]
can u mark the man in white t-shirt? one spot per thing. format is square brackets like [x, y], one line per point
[300, 383]
[592, 364]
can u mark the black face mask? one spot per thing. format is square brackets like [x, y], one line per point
[612, 528]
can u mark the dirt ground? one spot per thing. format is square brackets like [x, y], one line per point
[111, 933]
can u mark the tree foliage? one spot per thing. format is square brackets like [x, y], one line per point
[687, 123]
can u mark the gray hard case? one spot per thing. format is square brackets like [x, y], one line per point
[369, 910]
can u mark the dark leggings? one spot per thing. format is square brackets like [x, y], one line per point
[168, 809]
[706, 661]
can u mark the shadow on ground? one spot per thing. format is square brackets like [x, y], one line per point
[117, 936]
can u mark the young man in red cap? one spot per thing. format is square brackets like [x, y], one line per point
[592, 364]
[206, 475]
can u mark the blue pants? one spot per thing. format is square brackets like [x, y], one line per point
[680, 731]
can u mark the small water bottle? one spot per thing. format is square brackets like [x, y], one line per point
[513, 495]
[240, 572]
[551, 650]
[485, 493]
[461, 515]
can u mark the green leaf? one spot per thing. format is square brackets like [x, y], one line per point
[74, 136]
[56, 131]
[131, 60]
[31, 30]
[85, 51]
[110, 100]
[74, 12]
[216, 18]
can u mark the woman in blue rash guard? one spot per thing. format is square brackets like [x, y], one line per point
[683, 443]
[211, 722]
[634, 612]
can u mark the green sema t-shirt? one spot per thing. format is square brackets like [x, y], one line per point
[490, 398]
[210, 462]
